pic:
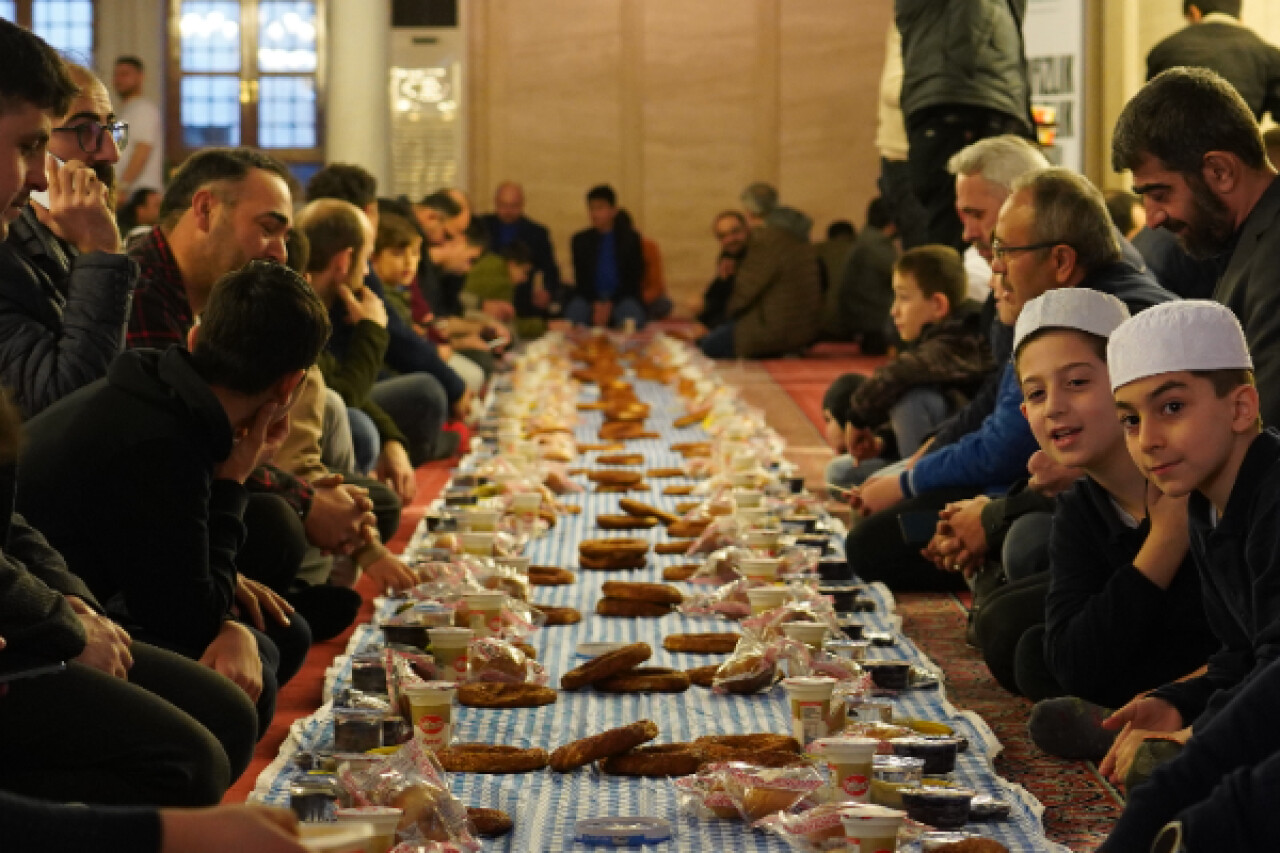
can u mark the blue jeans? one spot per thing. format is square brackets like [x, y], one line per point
[718, 343]
[364, 441]
[418, 404]
[579, 311]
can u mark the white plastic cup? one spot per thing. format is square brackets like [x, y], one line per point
[763, 569]
[748, 498]
[810, 633]
[431, 708]
[761, 540]
[480, 520]
[810, 698]
[871, 829]
[764, 598]
[485, 611]
[478, 543]
[449, 648]
[526, 503]
[520, 564]
[384, 820]
[849, 760]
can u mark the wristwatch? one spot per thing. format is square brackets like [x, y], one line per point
[1169, 839]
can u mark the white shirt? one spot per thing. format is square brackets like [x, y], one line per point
[144, 127]
[979, 273]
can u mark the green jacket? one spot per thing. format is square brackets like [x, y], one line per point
[353, 372]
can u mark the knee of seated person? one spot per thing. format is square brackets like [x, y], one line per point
[210, 773]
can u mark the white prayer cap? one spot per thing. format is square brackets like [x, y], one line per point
[1188, 334]
[1078, 308]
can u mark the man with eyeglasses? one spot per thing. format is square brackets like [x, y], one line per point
[1052, 232]
[65, 286]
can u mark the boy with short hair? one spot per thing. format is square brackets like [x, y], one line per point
[1123, 611]
[889, 414]
[1183, 383]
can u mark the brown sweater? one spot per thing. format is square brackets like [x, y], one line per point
[777, 297]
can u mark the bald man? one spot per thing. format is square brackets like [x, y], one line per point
[508, 225]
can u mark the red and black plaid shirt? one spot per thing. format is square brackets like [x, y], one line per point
[161, 313]
[162, 317]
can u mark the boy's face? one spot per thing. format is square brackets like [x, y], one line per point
[601, 214]
[24, 139]
[518, 272]
[912, 310]
[1180, 432]
[835, 432]
[398, 266]
[1067, 401]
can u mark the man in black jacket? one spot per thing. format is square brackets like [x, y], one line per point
[138, 480]
[1199, 164]
[1214, 38]
[608, 267]
[65, 286]
[964, 79]
[507, 225]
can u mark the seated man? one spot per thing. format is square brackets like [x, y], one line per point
[730, 230]
[1053, 232]
[139, 479]
[857, 303]
[608, 267]
[776, 306]
[66, 285]
[890, 415]
[508, 225]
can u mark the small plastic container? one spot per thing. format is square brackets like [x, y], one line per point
[449, 648]
[356, 730]
[849, 761]
[812, 634]
[484, 609]
[622, 831]
[764, 598]
[368, 673]
[383, 819]
[314, 798]
[889, 674]
[872, 829]
[760, 569]
[810, 701]
[939, 753]
[941, 808]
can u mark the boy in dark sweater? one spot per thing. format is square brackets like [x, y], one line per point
[887, 416]
[1123, 612]
[1182, 377]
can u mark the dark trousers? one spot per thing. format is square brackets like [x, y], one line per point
[1006, 614]
[877, 551]
[933, 136]
[175, 734]
[905, 209]
[282, 649]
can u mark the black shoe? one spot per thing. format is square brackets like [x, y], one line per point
[329, 610]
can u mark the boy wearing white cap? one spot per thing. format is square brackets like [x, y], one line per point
[1123, 611]
[1183, 382]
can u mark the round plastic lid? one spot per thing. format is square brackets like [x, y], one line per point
[622, 831]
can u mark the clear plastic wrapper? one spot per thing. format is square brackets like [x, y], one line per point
[729, 601]
[755, 666]
[491, 659]
[412, 780]
[721, 566]
[816, 829]
[758, 792]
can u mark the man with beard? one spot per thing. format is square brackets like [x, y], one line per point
[730, 230]
[64, 284]
[1199, 165]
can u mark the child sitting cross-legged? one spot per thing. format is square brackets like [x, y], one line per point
[875, 420]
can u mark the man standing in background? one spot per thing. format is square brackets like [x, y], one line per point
[142, 162]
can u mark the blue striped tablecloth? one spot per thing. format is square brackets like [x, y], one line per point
[546, 805]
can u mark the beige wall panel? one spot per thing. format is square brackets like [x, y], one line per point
[554, 109]
[832, 54]
[699, 115]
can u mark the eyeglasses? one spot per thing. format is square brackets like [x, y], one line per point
[89, 134]
[1000, 252]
